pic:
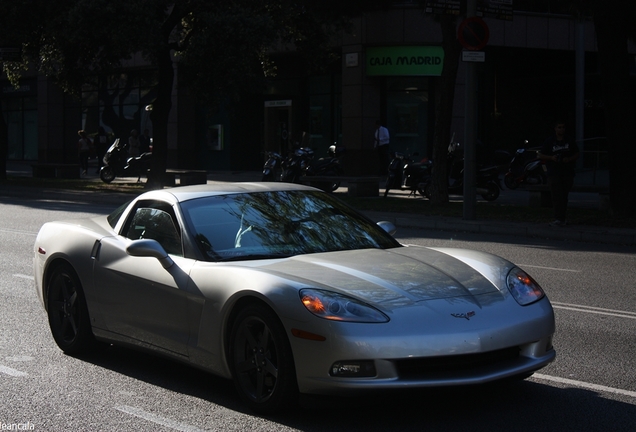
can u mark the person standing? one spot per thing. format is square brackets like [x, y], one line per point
[559, 152]
[101, 146]
[381, 145]
[133, 143]
[84, 150]
[144, 142]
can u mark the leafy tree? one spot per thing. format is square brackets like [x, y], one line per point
[613, 23]
[222, 46]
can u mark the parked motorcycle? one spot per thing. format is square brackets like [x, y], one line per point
[273, 168]
[405, 173]
[525, 168]
[301, 163]
[118, 164]
[487, 178]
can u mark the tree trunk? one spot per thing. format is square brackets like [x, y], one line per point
[163, 104]
[612, 31]
[4, 146]
[159, 117]
[444, 97]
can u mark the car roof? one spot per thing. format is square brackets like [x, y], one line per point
[186, 193]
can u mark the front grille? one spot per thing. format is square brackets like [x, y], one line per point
[437, 367]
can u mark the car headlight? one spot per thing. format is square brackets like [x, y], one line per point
[523, 288]
[338, 307]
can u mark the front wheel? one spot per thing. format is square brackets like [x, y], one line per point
[107, 174]
[67, 311]
[510, 181]
[261, 360]
[492, 191]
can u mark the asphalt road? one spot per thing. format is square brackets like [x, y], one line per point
[591, 386]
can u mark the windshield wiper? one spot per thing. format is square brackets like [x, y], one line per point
[248, 257]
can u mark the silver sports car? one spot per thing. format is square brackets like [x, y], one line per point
[284, 289]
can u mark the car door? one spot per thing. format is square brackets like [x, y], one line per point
[139, 298]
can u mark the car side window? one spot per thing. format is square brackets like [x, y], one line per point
[155, 224]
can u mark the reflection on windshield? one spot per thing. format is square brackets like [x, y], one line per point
[278, 224]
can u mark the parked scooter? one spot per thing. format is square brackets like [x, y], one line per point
[406, 174]
[118, 164]
[487, 178]
[301, 163]
[525, 169]
[273, 168]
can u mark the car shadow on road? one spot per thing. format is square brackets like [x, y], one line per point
[516, 405]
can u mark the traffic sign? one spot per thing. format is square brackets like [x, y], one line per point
[473, 33]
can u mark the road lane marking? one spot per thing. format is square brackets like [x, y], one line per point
[11, 371]
[594, 310]
[549, 268]
[23, 276]
[163, 421]
[585, 385]
[6, 230]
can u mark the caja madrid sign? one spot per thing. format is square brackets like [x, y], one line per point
[404, 61]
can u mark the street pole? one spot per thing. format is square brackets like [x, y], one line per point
[470, 130]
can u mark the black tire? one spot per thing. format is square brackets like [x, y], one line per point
[389, 184]
[493, 192]
[261, 361]
[510, 182]
[68, 314]
[425, 189]
[107, 174]
[332, 186]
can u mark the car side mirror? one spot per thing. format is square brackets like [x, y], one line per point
[387, 226]
[149, 248]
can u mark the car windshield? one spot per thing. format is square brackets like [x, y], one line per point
[278, 224]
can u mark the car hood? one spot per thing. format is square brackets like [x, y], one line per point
[398, 276]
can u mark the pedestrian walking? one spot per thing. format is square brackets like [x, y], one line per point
[144, 142]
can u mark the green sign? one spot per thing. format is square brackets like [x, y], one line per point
[405, 61]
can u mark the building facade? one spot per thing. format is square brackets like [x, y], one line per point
[388, 70]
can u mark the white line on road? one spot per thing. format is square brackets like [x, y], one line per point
[163, 421]
[585, 385]
[5, 230]
[23, 276]
[594, 310]
[12, 372]
[549, 268]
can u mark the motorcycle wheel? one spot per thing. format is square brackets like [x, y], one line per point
[424, 189]
[510, 182]
[387, 185]
[493, 192]
[331, 186]
[107, 174]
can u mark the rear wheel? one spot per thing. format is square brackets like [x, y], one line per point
[425, 189]
[261, 360]
[107, 174]
[492, 192]
[67, 311]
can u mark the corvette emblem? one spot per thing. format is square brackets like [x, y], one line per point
[467, 315]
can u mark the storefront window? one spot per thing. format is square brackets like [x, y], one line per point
[19, 107]
[119, 103]
[407, 114]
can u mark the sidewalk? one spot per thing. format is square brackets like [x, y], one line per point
[593, 234]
